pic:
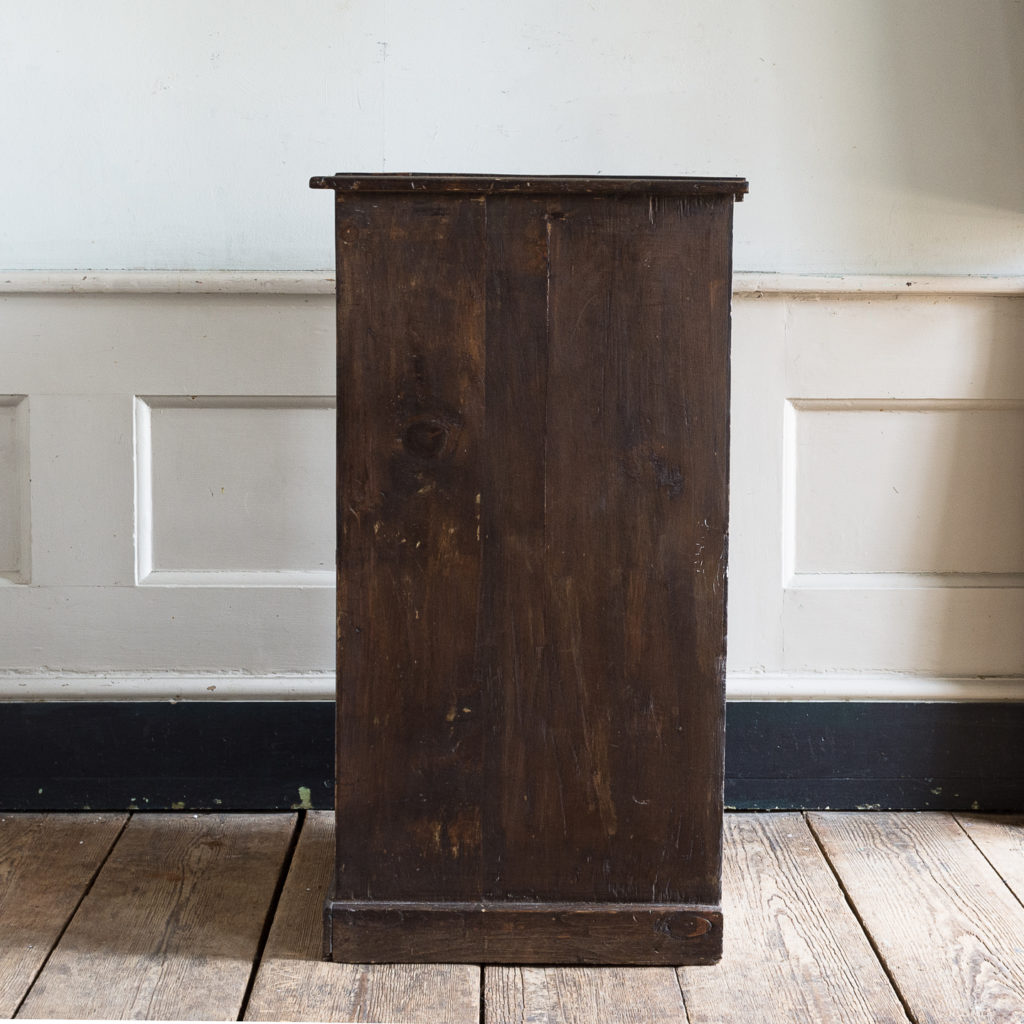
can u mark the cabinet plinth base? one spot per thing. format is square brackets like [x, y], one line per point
[635, 934]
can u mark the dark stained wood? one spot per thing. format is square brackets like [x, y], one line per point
[515, 643]
[533, 461]
[524, 184]
[512, 933]
[609, 757]
[410, 426]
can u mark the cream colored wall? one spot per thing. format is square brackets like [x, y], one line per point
[166, 487]
[144, 547]
[879, 136]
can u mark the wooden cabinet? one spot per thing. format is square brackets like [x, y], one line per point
[533, 409]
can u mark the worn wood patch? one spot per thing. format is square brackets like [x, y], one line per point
[582, 995]
[410, 412]
[293, 983]
[1001, 839]
[46, 864]
[171, 926]
[945, 924]
[610, 639]
[789, 933]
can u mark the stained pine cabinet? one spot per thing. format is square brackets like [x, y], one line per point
[532, 479]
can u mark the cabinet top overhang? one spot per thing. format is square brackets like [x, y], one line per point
[524, 184]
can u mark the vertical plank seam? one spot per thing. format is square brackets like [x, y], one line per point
[988, 860]
[268, 921]
[482, 1016]
[860, 920]
[67, 924]
[480, 672]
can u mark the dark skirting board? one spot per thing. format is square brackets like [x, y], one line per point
[269, 755]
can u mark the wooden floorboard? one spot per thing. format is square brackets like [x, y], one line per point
[293, 982]
[793, 948]
[843, 918]
[948, 929]
[582, 995]
[1001, 839]
[46, 864]
[171, 926]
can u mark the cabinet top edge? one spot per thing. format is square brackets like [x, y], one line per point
[484, 184]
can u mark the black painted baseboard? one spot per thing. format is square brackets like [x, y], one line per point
[247, 755]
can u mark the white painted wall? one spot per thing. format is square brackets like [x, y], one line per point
[165, 438]
[878, 135]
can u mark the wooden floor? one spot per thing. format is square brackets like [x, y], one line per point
[870, 917]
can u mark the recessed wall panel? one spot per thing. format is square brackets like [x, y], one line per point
[235, 490]
[893, 487]
[14, 486]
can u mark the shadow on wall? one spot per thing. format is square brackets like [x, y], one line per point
[954, 103]
[975, 531]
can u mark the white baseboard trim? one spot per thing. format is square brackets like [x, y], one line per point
[168, 282]
[171, 686]
[321, 282]
[164, 686]
[874, 284]
[839, 686]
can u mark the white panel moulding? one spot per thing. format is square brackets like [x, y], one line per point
[164, 686]
[231, 491]
[321, 282]
[741, 686]
[859, 476]
[15, 514]
[816, 620]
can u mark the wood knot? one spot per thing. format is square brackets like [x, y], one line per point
[685, 926]
[426, 438]
[690, 927]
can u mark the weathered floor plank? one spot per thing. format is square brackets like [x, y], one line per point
[1001, 839]
[947, 927]
[46, 864]
[171, 926]
[293, 983]
[583, 995]
[793, 949]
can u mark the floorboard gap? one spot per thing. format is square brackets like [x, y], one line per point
[682, 995]
[275, 900]
[71, 916]
[967, 832]
[911, 1016]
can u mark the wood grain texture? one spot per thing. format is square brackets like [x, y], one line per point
[582, 995]
[171, 925]
[607, 743]
[790, 933]
[533, 510]
[525, 184]
[516, 933]
[410, 424]
[1001, 839]
[944, 923]
[46, 864]
[293, 983]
